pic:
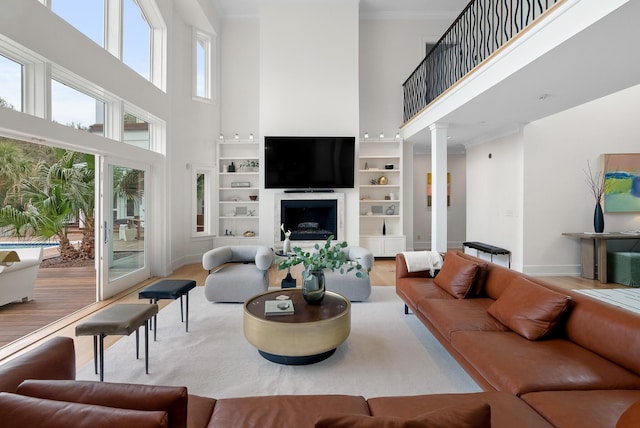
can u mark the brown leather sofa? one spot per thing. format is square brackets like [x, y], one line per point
[573, 359]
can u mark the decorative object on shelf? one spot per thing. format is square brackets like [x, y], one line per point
[392, 196]
[597, 183]
[388, 166]
[240, 184]
[253, 197]
[241, 211]
[250, 165]
[387, 197]
[286, 244]
[383, 180]
[314, 262]
[373, 181]
[391, 210]
[251, 213]
[366, 165]
[249, 234]
[231, 168]
[384, 227]
[376, 209]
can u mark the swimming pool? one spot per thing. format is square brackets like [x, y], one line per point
[9, 245]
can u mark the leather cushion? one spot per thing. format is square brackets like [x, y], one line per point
[630, 418]
[477, 415]
[19, 411]
[530, 310]
[457, 275]
[169, 399]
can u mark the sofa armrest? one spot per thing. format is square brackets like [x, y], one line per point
[362, 256]
[55, 359]
[264, 258]
[403, 272]
[216, 257]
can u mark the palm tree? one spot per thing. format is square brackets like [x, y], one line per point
[13, 168]
[59, 193]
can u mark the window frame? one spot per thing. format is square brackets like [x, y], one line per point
[207, 41]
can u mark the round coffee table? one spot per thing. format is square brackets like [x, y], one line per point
[309, 335]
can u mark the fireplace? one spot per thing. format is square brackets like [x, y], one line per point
[311, 217]
[309, 220]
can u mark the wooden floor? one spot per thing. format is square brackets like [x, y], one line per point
[66, 296]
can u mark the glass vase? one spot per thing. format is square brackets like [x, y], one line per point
[598, 219]
[313, 287]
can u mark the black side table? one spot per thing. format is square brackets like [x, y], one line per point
[169, 289]
[288, 281]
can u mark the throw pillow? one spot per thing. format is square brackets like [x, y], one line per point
[170, 399]
[19, 411]
[630, 418]
[457, 275]
[529, 309]
[476, 415]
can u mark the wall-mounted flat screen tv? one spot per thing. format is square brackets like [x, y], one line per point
[309, 162]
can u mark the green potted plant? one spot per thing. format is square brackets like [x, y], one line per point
[315, 262]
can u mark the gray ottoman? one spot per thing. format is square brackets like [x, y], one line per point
[120, 319]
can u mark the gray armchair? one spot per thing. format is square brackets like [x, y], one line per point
[348, 284]
[236, 272]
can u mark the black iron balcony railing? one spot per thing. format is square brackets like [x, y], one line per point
[481, 29]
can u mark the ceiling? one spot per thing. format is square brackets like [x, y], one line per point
[369, 9]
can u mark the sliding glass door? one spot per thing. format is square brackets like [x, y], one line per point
[123, 256]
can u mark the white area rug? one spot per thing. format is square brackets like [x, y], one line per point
[627, 298]
[387, 353]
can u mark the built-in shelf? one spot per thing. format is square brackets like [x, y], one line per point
[377, 197]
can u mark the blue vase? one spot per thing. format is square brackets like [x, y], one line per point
[598, 219]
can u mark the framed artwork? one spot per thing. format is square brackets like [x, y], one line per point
[622, 182]
[429, 189]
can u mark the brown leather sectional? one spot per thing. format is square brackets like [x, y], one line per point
[581, 371]
[572, 359]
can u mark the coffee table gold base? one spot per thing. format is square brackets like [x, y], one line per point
[310, 335]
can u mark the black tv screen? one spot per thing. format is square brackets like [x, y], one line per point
[309, 162]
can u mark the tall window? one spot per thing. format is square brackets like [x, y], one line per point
[203, 66]
[76, 109]
[10, 84]
[136, 39]
[87, 16]
[136, 131]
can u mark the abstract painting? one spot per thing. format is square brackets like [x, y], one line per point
[622, 182]
[429, 189]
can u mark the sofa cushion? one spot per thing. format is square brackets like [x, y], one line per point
[448, 316]
[505, 408]
[457, 275]
[282, 410]
[19, 411]
[529, 309]
[631, 417]
[474, 415]
[584, 409]
[509, 362]
[169, 399]
[415, 289]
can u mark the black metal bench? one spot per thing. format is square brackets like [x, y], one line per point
[489, 249]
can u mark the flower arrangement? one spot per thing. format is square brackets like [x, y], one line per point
[324, 257]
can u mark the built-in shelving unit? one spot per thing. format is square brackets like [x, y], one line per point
[238, 215]
[380, 192]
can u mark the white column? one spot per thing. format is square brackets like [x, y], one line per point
[438, 187]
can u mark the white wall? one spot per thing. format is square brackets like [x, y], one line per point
[557, 198]
[533, 188]
[456, 213]
[308, 82]
[494, 195]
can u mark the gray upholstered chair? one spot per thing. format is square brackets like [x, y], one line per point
[236, 272]
[348, 284]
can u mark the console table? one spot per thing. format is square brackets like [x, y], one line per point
[593, 252]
